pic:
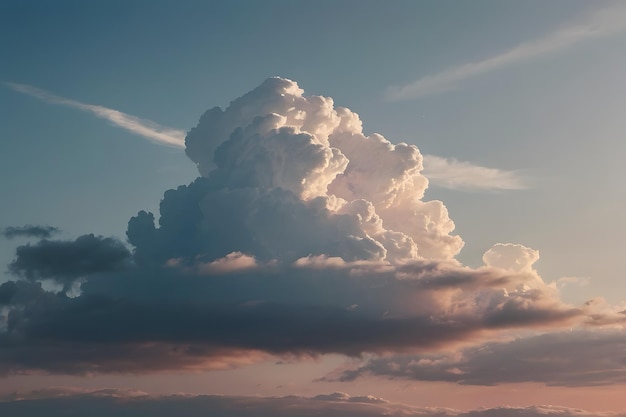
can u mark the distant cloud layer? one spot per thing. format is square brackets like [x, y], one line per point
[559, 359]
[105, 403]
[302, 236]
[605, 22]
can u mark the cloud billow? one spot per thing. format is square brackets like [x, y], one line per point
[275, 137]
[302, 236]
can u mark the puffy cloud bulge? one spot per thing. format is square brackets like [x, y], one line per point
[302, 236]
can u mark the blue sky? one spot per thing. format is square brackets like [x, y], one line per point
[532, 90]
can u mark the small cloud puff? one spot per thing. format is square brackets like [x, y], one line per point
[511, 257]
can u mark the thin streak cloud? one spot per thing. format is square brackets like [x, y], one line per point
[142, 127]
[599, 24]
[460, 175]
[442, 172]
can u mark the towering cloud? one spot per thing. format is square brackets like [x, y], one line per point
[302, 236]
[276, 138]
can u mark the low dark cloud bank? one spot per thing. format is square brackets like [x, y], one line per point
[580, 358]
[302, 236]
[148, 320]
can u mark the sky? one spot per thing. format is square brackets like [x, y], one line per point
[290, 208]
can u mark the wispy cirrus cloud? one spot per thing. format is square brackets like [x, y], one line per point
[442, 172]
[602, 23]
[29, 230]
[142, 127]
[461, 175]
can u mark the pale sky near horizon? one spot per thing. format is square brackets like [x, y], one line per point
[517, 107]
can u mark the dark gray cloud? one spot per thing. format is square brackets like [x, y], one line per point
[19, 293]
[578, 358]
[64, 261]
[29, 230]
[146, 319]
[59, 402]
